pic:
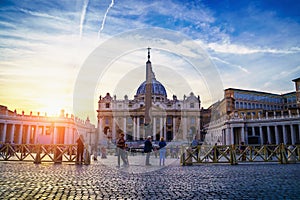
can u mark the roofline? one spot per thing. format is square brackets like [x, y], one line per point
[268, 93]
[297, 79]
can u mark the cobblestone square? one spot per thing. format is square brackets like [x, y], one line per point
[103, 180]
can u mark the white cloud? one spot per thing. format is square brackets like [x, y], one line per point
[242, 49]
[230, 64]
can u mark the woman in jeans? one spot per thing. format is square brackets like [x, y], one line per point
[162, 151]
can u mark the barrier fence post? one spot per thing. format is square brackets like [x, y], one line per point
[282, 155]
[182, 156]
[37, 159]
[233, 155]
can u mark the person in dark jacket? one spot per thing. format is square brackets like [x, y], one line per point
[147, 149]
[121, 147]
[80, 149]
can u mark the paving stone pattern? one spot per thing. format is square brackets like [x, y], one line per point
[99, 181]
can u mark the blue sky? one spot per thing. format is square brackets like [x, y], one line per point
[43, 44]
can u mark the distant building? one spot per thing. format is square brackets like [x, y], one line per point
[173, 119]
[35, 129]
[254, 117]
[297, 85]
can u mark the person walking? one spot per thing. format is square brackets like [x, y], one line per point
[162, 151]
[80, 149]
[147, 149]
[121, 146]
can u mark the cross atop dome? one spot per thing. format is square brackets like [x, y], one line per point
[149, 53]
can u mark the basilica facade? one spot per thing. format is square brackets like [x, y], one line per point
[173, 119]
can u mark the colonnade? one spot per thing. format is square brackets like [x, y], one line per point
[286, 133]
[22, 129]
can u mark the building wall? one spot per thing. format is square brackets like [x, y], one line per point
[254, 117]
[35, 129]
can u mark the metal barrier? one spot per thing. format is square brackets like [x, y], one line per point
[38, 153]
[234, 154]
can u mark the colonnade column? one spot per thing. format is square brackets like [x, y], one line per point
[55, 135]
[4, 132]
[253, 131]
[154, 128]
[66, 138]
[299, 131]
[285, 139]
[36, 132]
[231, 136]
[269, 135]
[28, 134]
[12, 133]
[276, 135]
[20, 134]
[261, 135]
[72, 140]
[242, 134]
[246, 136]
[44, 130]
[293, 135]
[227, 135]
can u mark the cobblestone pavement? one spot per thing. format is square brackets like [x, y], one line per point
[103, 180]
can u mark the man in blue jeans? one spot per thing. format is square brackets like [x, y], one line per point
[147, 149]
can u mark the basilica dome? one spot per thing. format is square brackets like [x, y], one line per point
[157, 88]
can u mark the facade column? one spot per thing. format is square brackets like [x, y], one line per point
[3, 139]
[231, 136]
[269, 135]
[154, 128]
[184, 128]
[124, 125]
[20, 134]
[243, 134]
[160, 127]
[134, 129]
[113, 134]
[276, 134]
[293, 135]
[174, 128]
[253, 131]
[261, 135]
[165, 128]
[28, 134]
[55, 135]
[285, 139]
[12, 133]
[138, 128]
[100, 129]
